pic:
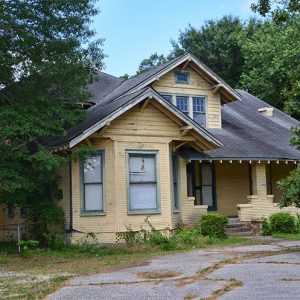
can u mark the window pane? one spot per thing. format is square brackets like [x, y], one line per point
[182, 103]
[182, 77]
[142, 196]
[93, 197]
[93, 170]
[142, 168]
[168, 97]
[207, 195]
[199, 118]
[206, 174]
[199, 104]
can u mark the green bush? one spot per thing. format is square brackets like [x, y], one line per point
[265, 228]
[164, 242]
[26, 246]
[54, 241]
[213, 225]
[188, 236]
[282, 222]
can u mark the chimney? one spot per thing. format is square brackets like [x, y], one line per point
[266, 111]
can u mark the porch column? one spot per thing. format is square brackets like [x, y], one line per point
[259, 180]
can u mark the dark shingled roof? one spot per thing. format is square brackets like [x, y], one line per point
[103, 85]
[247, 133]
[104, 110]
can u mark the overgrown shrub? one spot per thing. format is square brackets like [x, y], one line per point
[53, 241]
[282, 222]
[188, 236]
[265, 227]
[213, 225]
[164, 242]
[26, 246]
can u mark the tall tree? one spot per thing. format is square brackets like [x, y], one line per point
[151, 62]
[217, 44]
[271, 60]
[44, 73]
[285, 10]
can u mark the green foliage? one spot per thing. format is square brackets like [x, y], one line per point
[213, 225]
[271, 75]
[291, 189]
[284, 10]
[217, 44]
[282, 222]
[164, 242]
[265, 227]
[26, 246]
[54, 241]
[188, 236]
[44, 74]
[149, 63]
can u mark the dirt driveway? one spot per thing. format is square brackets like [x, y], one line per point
[266, 271]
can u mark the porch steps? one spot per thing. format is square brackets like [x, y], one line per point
[237, 228]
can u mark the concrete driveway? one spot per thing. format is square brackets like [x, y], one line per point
[264, 271]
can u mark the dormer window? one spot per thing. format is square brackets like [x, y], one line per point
[192, 105]
[182, 102]
[182, 77]
[199, 110]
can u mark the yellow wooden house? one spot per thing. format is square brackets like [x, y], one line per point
[173, 143]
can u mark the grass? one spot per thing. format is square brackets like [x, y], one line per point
[287, 236]
[43, 271]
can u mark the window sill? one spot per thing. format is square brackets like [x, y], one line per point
[92, 214]
[143, 212]
[176, 211]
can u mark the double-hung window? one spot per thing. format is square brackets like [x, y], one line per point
[182, 102]
[92, 184]
[199, 110]
[10, 211]
[175, 183]
[143, 183]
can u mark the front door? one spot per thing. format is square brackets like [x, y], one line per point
[201, 183]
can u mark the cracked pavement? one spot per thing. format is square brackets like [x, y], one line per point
[266, 271]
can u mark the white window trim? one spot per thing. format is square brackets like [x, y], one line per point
[157, 168]
[190, 103]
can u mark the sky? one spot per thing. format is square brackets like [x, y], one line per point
[134, 29]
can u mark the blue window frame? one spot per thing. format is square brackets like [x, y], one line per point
[175, 182]
[182, 102]
[199, 110]
[182, 77]
[92, 184]
[143, 182]
[168, 97]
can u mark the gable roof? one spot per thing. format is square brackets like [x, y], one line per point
[103, 85]
[146, 78]
[104, 112]
[247, 133]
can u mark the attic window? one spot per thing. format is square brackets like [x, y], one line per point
[182, 77]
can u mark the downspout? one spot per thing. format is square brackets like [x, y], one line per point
[71, 204]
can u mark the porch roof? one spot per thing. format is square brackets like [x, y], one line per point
[247, 134]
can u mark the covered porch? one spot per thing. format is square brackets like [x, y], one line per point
[241, 188]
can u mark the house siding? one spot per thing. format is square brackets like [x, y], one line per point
[147, 130]
[197, 86]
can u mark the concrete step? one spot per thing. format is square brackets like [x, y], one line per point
[245, 233]
[234, 220]
[238, 225]
[238, 229]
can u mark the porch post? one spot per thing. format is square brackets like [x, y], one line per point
[259, 180]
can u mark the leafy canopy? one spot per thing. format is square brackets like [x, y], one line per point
[44, 73]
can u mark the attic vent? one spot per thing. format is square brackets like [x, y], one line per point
[266, 111]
